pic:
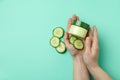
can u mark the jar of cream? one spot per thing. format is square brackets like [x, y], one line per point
[79, 29]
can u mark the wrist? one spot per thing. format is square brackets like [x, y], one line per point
[78, 59]
[92, 67]
[77, 56]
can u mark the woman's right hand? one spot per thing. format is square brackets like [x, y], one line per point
[90, 55]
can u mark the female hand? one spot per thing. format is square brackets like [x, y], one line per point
[90, 51]
[80, 70]
[69, 46]
[90, 55]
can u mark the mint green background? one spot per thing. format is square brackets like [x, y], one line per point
[25, 30]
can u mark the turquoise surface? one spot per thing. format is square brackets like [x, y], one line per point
[26, 27]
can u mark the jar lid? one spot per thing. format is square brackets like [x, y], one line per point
[84, 25]
[74, 22]
[81, 24]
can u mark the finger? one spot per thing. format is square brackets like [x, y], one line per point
[95, 36]
[95, 41]
[88, 44]
[66, 39]
[69, 24]
[74, 17]
[90, 33]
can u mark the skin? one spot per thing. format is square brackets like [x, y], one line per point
[91, 57]
[86, 59]
[80, 69]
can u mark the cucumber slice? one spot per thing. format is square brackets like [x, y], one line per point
[54, 41]
[61, 48]
[78, 44]
[58, 32]
[72, 39]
